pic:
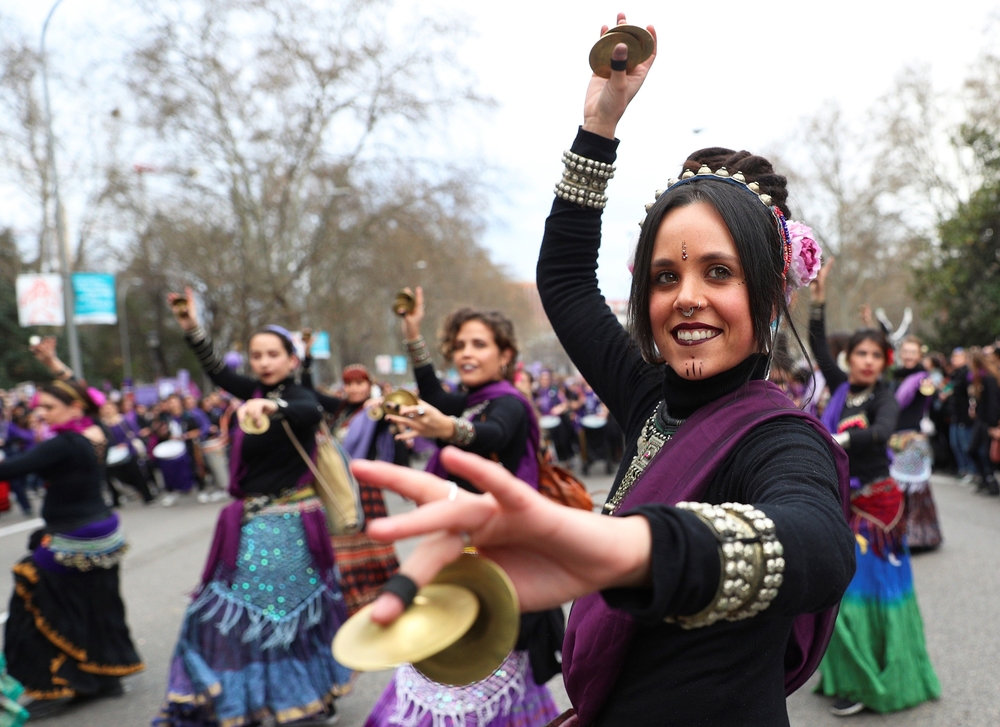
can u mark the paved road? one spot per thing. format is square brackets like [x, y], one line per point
[958, 587]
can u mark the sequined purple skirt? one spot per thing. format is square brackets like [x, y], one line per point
[508, 698]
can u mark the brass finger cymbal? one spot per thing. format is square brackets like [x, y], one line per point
[438, 617]
[247, 425]
[404, 303]
[640, 47]
[180, 306]
[482, 649]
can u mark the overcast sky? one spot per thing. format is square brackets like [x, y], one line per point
[745, 73]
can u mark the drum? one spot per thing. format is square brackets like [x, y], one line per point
[549, 422]
[170, 449]
[118, 454]
[593, 421]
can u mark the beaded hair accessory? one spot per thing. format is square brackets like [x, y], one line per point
[801, 255]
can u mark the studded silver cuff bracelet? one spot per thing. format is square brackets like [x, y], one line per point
[584, 181]
[750, 558]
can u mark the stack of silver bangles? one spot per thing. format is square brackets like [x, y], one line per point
[584, 181]
[417, 351]
[750, 558]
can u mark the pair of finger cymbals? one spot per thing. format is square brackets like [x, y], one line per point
[640, 47]
[458, 630]
[249, 426]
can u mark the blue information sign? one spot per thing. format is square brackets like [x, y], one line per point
[94, 298]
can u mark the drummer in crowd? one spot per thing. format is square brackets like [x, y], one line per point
[550, 399]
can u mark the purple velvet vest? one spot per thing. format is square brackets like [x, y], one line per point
[598, 637]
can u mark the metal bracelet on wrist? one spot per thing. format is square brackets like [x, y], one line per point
[465, 433]
[750, 559]
[584, 181]
[417, 351]
[196, 334]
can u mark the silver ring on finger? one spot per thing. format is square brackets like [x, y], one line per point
[421, 411]
[453, 492]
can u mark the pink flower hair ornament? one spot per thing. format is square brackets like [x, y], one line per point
[807, 257]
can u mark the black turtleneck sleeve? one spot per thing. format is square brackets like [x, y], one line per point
[501, 428]
[817, 342]
[588, 330]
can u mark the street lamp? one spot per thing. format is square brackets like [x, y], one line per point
[69, 306]
[123, 328]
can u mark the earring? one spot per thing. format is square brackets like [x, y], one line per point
[503, 371]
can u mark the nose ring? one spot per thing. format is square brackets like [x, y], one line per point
[690, 311]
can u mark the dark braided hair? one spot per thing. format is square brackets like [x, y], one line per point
[752, 226]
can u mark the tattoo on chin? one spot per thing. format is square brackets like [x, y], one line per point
[694, 369]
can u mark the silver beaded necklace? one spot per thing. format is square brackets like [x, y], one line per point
[652, 437]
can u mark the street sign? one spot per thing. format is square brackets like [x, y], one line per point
[94, 298]
[40, 300]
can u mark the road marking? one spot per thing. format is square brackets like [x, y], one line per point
[21, 527]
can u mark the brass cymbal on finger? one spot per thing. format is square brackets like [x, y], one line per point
[640, 47]
[482, 649]
[404, 303]
[248, 425]
[180, 305]
[646, 40]
[438, 617]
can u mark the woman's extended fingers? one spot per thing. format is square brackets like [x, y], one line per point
[466, 515]
[421, 487]
[489, 476]
[430, 556]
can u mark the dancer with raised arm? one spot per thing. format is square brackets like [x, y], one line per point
[66, 635]
[255, 641]
[709, 592]
[493, 419]
[877, 657]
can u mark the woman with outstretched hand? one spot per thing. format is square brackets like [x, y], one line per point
[492, 418]
[709, 592]
[877, 657]
[255, 641]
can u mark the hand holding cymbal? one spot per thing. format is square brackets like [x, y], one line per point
[184, 308]
[254, 415]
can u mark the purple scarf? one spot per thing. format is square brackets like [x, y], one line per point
[74, 425]
[907, 390]
[598, 637]
[226, 542]
[834, 407]
[360, 432]
[527, 468]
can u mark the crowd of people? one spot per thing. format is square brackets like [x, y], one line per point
[763, 513]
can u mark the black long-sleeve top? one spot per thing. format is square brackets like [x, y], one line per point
[272, 462]
[958, 402]
[330, 404]
[870, 423]
[501, 428]
[911, 414]
[75, 477]
[729, 673]
[987, 400]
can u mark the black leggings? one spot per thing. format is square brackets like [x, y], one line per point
[132, 474]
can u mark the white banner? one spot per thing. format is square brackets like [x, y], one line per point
[40, 300]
